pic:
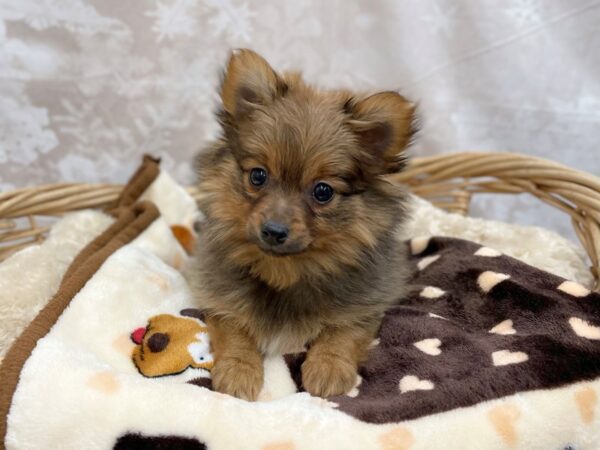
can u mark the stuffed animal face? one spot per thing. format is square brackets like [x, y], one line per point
[169, 344]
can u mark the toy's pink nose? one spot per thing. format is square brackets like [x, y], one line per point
[138, 335]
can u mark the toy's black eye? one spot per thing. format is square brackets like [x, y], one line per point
[158, 342]
[258, 176]
[322, 192]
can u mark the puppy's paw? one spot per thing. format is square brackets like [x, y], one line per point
[237, 377]
[328, 375]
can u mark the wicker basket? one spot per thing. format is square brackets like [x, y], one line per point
[449, 181]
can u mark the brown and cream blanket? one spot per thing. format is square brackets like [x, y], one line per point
[486, 353]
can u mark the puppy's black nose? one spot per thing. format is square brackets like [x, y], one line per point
[274, 233]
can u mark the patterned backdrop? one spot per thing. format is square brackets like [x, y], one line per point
[86, 86]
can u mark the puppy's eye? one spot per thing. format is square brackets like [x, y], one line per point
[258, 176]
[322, 192]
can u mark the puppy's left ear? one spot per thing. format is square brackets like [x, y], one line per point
[384, 124]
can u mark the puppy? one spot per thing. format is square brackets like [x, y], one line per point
[298, 247]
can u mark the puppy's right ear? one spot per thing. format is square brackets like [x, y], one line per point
[248, 82]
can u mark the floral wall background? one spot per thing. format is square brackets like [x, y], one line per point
[87, 86]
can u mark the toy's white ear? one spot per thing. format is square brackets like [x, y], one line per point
[248, 81]
[384, 124]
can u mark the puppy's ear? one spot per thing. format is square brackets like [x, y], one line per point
[384, 124]
[249, 81]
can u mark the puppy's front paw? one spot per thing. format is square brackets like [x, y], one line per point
[328, 375]
[237, 377]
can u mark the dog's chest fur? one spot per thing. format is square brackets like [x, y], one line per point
[286, 320]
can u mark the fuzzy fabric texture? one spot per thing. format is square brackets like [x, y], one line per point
[478, 326]
[29, 278]
[535, 246]
[486, 353]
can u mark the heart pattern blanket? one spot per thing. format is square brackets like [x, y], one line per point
[485, 353]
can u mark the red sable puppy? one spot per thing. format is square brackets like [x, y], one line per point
[298, 247]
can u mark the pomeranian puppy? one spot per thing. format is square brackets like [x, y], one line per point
[298, 248]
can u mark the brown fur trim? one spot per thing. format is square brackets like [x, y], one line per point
[139, 182]
[129, 224]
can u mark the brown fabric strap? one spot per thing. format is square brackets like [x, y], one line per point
[129, 223]
[139, 182]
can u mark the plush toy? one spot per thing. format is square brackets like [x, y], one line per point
[169, 344]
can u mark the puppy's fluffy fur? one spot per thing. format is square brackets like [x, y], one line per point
[327, 286]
